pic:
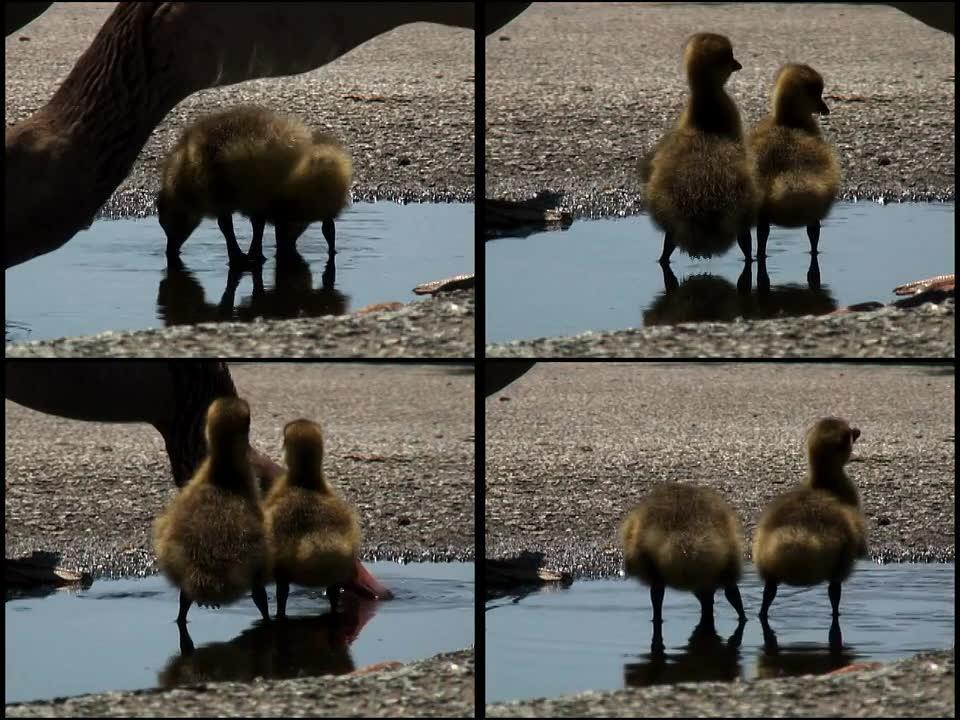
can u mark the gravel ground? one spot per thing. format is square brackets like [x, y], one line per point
[403, 104]
[577, 444]
[400, 443]
[921, 686]
[926, 331]
[438, 327]
[442, 686]
[577, 93]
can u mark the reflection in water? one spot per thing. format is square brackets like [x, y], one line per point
[293, 647]
[803, 658]
[181, 299]
[706, 658]
[710, 298]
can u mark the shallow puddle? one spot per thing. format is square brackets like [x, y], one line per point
[604, 274]
[121, 634]
[114, 276]
[598, 634]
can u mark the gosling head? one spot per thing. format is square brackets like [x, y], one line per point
[177, 219]
[303, 450]
[228, 427]
[709, 60]
[830, 442]
[798, 93]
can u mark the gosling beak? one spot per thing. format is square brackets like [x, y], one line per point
[822, 107]
[736, 66]
[366, 585]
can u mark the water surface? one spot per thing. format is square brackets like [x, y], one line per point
[115, 276]
[598, 634]
[121, 634]
[604, 275]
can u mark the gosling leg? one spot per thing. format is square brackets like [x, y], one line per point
[333, 595]
[255, 253]
[834, 592]
[813, 232]
[763, 232]
[259, 595]
[732, 593]
[283, 590]
[763, 278]
[186, 642]
[656, 597]
[835, 636]
[745, 280]
[744, 240]
[813, 273]
[330, 233]
[234, 252]
[769, 593]
[668, 247]
[706, 606]
[185, 602]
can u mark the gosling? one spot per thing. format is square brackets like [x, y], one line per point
[210, 542]
[313, 532]
[700, 186]
[686, 537]
[814, 534]
[269, 167]
[797, 170]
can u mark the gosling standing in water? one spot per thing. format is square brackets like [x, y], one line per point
[210, 542]
[686, 537]
[314, 533]
[814, 534]
[797, 169]
[271, 168]
[699, 183]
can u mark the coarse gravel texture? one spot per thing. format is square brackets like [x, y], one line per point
[921, 686]
[571, 447]
[441, 327]
[441, 686]
[926, 331]
[402, 103]
[577, 93]
[399, 443]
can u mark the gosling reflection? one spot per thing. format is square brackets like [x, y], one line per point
[802, 658]
[293, 294]
[293, 647]
[181, 299]
[706, 658]
[709, 298]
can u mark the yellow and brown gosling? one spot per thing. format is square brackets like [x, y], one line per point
[797, 170]
[271, 168]
[686, 537]
[314, 533]
[815, 533]
[210, 542]
[700, 187]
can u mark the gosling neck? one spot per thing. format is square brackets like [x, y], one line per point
[308, 474]
[827, 474]
[786, 115]
[711, 110]
[230, 469]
